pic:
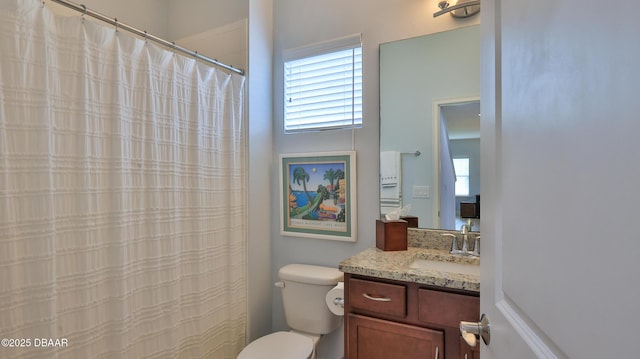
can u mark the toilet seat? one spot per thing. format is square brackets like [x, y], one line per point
[279, 345]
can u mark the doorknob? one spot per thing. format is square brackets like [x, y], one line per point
[471, 330]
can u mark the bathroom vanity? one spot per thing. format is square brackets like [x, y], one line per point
[409, 304]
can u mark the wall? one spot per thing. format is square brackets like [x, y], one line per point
[217, 28]
[149, 15]
[260, 162]
[447, 180]
[300, 22]
[213, 28]
[190, 17]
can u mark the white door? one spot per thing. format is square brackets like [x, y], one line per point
[560, 175]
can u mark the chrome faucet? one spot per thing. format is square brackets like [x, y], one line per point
[465, 229]
[454, 243]
[476, 247]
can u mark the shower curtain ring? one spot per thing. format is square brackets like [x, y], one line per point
[84, 12]
[115, 23]
[146, 36]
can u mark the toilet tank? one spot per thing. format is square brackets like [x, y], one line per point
[303, 296]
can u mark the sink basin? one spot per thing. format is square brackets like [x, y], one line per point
[451, 267]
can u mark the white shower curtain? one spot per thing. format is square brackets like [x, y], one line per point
[123, 206]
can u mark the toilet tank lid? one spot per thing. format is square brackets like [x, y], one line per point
[311, 274]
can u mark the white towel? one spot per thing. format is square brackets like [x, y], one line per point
[390, 181]
[390, 168]
[389, 204]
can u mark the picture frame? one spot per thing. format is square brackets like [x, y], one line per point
[318, 195]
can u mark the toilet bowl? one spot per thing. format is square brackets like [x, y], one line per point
[304, 291]
[279, 345]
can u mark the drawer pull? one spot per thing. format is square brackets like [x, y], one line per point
[437, 354]
[376, 299]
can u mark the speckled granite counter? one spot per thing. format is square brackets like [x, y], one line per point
[395, 265]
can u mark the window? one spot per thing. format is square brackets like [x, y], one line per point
[323, 86]
[461, 166]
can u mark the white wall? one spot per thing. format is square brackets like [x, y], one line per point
[260, 162]
[300, 22]
[188, 17]
[227, 43]
[149, 15]
[215, 28]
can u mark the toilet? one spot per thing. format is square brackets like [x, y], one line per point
[304, 292]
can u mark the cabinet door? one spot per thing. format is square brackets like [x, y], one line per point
[371, 338]
[447, 309]
[467, 352]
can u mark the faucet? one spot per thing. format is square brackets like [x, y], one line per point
[454, 243]
[465, 229]
[476, 247]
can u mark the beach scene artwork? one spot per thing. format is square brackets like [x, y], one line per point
[316, 195]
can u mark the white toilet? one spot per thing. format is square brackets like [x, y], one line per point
[304, 292]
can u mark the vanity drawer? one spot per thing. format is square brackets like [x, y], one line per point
[446, 308]
[383, 298]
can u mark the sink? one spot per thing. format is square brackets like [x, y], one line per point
[451, 267]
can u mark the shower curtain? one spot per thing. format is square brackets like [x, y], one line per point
[123, 176]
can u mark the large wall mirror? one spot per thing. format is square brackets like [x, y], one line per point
[430, 126]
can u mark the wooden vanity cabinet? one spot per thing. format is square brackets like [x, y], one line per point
[467, 352]
[373, 338]
[399, 320]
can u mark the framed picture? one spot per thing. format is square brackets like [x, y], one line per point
[318, 196]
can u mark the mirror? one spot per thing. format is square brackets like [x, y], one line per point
[429, 116]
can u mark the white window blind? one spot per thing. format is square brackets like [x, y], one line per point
[323, 86]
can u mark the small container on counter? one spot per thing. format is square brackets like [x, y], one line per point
[391, 235]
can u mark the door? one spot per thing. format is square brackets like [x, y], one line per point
[560, 178]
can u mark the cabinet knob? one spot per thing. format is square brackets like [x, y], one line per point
[472, 330]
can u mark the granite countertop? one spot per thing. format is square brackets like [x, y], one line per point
[394, 265]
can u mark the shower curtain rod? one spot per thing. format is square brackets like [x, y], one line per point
[83, 9]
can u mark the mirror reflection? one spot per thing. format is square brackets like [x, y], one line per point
[430, 128]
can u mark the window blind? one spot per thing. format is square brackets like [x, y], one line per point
[323, 86]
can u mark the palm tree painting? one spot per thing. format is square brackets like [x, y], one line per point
[300, 175]
[313, 200]
[316, 205]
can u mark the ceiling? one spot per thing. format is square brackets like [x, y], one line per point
[463, 120]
